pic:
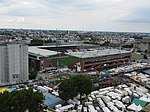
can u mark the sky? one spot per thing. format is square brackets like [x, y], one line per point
[88, 15]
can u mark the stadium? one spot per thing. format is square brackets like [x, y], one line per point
[81, 60]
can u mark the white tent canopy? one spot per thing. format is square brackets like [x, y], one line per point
[134, 107]
[146, 99]
[65, 107]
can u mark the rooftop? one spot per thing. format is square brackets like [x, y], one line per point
[97, 53]
[41, 52]
[66, 45]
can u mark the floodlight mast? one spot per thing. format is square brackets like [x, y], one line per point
[57, 52]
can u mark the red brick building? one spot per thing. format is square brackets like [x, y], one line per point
[99, 59]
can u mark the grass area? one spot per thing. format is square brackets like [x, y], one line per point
[69, 60]
[66, 61]
[136, 56]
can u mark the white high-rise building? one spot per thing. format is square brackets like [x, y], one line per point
[13, 62]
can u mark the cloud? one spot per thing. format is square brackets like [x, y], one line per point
[20, 20]
[114, 15]
[138, 16]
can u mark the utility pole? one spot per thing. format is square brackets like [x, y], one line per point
[57, 51]
[58, 56]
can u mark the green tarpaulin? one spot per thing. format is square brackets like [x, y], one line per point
[139, 102]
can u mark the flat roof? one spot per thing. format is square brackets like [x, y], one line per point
[65, 45]
[42, 52]
[97, 53]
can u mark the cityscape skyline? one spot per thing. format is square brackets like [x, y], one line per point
[95, 15]
[75, 56]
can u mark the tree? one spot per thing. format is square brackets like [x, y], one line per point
[67, 90]
[49, 41]
[36, 42]
[83, 84]
[33, 74]
[145, 56]
[70, 88]
[146, 51]
[20, 101]
[34, 99]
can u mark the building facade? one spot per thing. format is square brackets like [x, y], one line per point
[13, 63]
[100, 59]
[144, 45]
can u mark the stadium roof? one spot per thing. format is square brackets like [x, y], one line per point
[65, 45]
[41, 52]
[97, 53]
